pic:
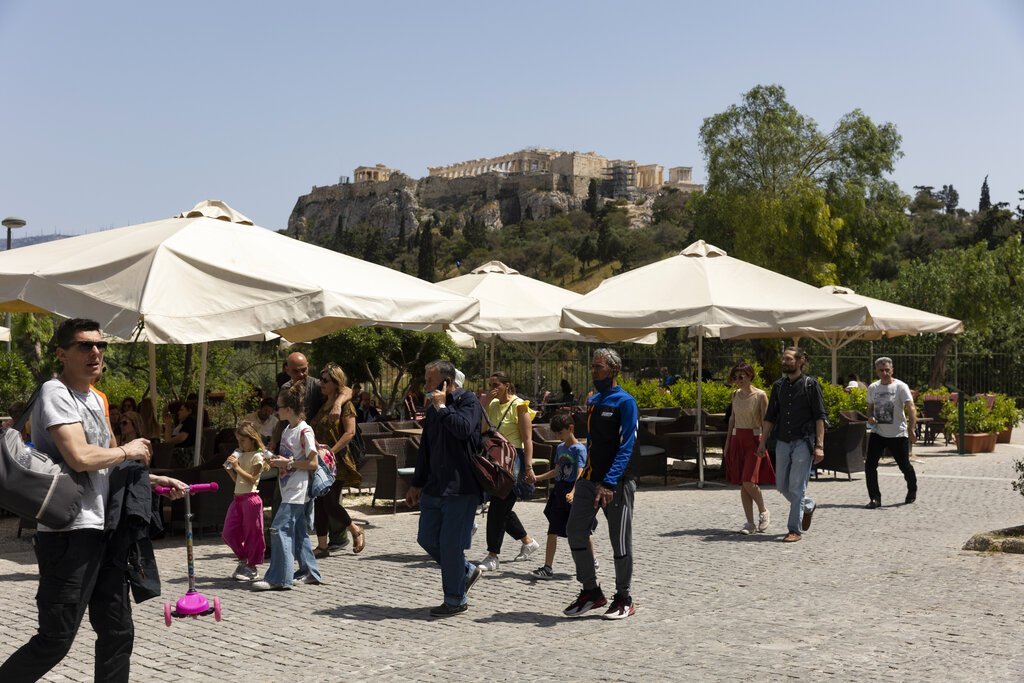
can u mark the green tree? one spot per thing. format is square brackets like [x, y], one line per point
[974, 284]
[18, 383]
[984, 202]
[793, 198]
[593, 190]
[425, 263]
[31, 333]
[950, 198]
[364, 351]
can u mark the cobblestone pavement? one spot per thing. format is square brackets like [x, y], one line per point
[866, 595]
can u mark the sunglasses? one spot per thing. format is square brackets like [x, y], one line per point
[87, 345]
[125, 422]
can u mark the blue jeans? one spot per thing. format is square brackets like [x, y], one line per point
[289, 540]
[793, 461]
[446, 532]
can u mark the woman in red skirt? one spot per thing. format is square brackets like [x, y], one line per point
[742, 466]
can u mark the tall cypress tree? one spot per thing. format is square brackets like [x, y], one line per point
[425, 264]
[985, 203]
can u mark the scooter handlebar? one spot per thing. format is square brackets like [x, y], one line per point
[194, 488]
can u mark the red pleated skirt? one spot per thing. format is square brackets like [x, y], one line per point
[742, 463]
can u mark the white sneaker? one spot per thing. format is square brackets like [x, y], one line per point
[597, 565]
[763, 521]
[489, 564]
[527, 550]
[311, 580]
[239, 573]
[748, 529]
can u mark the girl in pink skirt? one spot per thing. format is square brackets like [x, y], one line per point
[742, 466]
[243, 525]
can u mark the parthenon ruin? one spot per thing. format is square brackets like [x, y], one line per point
[570, 167]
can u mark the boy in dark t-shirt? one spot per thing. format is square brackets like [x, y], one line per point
[570, 459]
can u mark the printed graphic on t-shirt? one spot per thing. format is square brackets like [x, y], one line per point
[885, 409]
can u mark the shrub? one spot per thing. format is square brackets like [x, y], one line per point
[17, 384]
[837, 398]
[977, 417]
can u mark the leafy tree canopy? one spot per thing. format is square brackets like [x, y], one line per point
[784, 195]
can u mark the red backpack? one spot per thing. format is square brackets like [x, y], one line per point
[494, 461]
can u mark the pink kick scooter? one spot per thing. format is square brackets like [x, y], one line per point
[192, 604]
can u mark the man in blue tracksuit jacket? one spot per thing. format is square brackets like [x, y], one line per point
[606, 482]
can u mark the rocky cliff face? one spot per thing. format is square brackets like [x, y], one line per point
[400, 204]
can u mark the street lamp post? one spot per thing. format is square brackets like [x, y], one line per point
[11, 222]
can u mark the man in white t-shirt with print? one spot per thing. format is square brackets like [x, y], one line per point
[76, 570]
[893, 417]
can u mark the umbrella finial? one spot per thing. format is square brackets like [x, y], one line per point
[702, 248]
[215, 208]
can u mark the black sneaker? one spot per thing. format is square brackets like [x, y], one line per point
[446, 610]
[911, 497]
[586, 601]
[472, 578]
[622, 607]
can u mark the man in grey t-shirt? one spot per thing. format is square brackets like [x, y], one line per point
[893, 417]
[75, 568]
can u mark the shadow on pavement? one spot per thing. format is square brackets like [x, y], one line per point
[724, 535]
[535, 618]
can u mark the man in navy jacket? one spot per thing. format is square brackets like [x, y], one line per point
[606, 482]
[443, 484]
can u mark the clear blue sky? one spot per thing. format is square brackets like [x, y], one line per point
[122, 112]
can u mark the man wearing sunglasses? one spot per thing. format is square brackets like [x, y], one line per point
[75, 568]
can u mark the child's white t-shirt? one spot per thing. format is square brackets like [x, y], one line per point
[296, 443]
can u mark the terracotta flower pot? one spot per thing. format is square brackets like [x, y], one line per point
[974, 443]
[1004, 436]
[990, 443]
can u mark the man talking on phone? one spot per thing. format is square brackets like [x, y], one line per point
[444, 486]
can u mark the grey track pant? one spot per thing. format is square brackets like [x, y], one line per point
[619, 514]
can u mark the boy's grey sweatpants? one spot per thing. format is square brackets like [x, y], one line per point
[619, 514]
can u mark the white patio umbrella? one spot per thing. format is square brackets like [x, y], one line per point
[5, 334]
[209, 274]
[888, 320]
[517, 309]
[705, 291]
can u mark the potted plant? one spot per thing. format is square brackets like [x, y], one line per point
[1005, 409]
[979, 424]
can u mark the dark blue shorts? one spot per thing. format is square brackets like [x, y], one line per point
[557, 508]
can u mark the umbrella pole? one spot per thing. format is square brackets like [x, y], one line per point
[199, 406]
[494, 339]
[152, 377]
[700, 415]
[835, 364]
[700, 410]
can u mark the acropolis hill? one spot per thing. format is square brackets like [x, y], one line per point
[531, 183]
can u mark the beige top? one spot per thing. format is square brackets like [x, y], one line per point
[253, 463]
[747, 411]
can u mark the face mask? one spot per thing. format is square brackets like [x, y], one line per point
[603, 385]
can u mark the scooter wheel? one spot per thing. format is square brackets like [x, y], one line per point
[216, 609]
[167, 613]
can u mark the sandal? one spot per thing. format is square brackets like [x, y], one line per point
[358, 542]
[320, 553]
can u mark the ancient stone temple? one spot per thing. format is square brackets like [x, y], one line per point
[373, 173]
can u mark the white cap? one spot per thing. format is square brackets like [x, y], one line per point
[460, 378]
[853, 385]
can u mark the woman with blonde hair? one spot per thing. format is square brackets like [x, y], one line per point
[336, 434]
[130, 427]
[147, 414]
